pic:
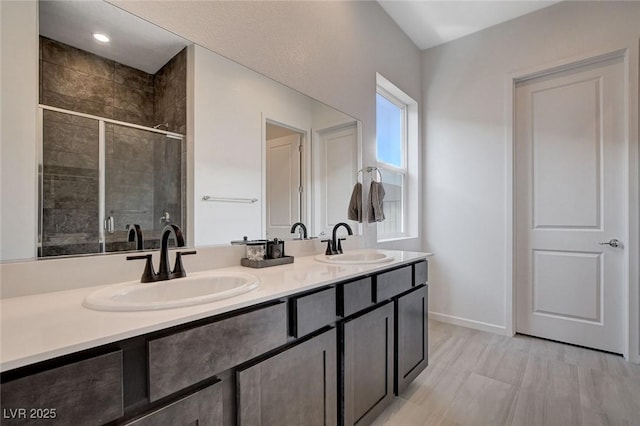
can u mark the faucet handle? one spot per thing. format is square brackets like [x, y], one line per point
[339, 248]
[178, 268]
[329, 250]
[149, 275]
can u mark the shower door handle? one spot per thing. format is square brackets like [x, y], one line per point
[109, 225]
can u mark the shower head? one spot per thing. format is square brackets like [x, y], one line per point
[166, 125]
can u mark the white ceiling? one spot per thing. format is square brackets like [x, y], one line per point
[134, 41]
[142, 45]
[430, 22]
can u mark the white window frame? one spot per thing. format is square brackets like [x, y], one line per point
[409, 165]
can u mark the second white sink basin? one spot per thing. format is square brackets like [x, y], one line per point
[361, 257]
[194, 289]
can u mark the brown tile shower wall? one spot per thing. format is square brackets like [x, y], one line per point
[80, 81]
[170, 88]
[143, 169]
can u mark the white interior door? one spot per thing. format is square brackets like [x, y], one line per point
[335, 164]
[283, 185]
[570, 156]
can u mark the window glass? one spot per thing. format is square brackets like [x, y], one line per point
[393, 204]
[389, 124]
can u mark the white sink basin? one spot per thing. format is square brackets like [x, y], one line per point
[361, 257]
[194, 289]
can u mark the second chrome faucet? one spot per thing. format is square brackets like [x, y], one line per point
[165, 272]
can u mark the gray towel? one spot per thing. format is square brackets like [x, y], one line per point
[376, 195]
[355, 204]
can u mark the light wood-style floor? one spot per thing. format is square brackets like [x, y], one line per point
[478, 378]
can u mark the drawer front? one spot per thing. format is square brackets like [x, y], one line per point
[420, 275]
[85, 392]
[389, 284]
[356, 296]
[203, 408]
[312, 312]
[187, 357]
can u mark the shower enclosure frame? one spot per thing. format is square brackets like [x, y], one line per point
[102, 121]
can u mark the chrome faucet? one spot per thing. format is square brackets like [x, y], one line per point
[135, 234]
[302, 230]
[334, 245]
[165, 272]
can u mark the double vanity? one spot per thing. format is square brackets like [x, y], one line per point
[325, 340]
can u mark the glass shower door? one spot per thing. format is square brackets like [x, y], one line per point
[69, 179]
[143, 171]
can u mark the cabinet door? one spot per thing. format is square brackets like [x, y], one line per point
[368, 365]
[411, 335]
[295, 387]
[203, 408]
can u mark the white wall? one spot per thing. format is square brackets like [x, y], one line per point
[465, 160]
[231, 103]
[19, 98]
[330, 51]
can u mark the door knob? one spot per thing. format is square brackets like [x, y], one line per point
[612, 242]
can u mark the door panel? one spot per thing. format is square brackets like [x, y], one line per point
[557, 276]
[368, 365]
[566, 150]
[570, 147]
[295, 387]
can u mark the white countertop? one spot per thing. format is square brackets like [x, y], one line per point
[44, 326]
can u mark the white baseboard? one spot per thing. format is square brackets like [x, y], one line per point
[476, 325]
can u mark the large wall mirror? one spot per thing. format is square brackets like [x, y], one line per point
[148, 129]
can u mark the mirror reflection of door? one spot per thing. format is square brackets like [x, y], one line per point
[335, 165]
[283, 180]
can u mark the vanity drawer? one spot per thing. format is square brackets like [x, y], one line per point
[389, 284]
[187, 357]
[355, 296]
[204, 407]
[85, 392]
[312, 311]
[420, 273]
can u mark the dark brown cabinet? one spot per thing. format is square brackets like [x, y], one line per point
[295, 387]
[368, 365]
[202, 408]
[411, 337]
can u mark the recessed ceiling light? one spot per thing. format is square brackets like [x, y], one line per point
[101, 37]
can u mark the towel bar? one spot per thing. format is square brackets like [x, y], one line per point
[370, 170]
[229, 200]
